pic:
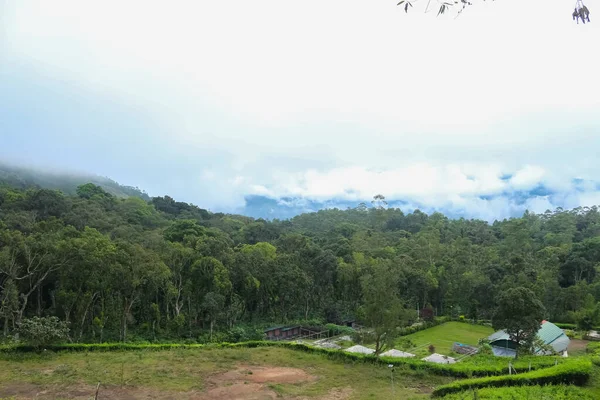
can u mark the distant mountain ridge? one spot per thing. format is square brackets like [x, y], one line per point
[26, 177]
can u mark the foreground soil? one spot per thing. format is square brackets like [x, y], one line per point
[244, 383]
[208, 374]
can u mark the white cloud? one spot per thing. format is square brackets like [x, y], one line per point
[331, 99]
[422, 181]
[528, 177]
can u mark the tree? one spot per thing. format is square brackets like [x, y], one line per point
[519, 314]
[444, 5]
[89, 190]
[40, 332]
[381, 309]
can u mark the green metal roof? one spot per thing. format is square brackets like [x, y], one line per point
[549, 333]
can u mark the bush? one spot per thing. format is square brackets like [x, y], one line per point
[593, 347]
[244, 334]
[43, 331]
[335, 330]
[552, 392]
[575, 372]
[405, 343]
[565, 326]
[570, 334]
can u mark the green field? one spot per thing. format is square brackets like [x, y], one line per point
[242, 373]
[443, 337]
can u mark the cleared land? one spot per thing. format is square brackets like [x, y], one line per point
[207, 374]
[443, 337]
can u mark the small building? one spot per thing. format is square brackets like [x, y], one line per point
[549, 334]
[282, 332]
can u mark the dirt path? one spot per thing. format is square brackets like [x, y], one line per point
[577, 346]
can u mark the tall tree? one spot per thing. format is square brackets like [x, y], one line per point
[519, 314]
[381, 309]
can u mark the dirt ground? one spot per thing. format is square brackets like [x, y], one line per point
[243, 383]
[577, 346]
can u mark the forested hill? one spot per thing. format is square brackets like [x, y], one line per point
[118, 268]
[22, 177]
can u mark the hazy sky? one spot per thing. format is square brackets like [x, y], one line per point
[213, 101]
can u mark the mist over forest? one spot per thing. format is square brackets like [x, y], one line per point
[117, 264]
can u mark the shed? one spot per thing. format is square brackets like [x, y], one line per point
[549, 333]
[282, 332]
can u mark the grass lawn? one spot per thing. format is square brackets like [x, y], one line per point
[443, 337]
[211, 374]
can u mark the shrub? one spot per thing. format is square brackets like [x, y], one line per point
[244, 334]
[575, 372]
[570, 334]
[335, 330]
[562, 325]
[554, 392]
[431, 348]
[405, 343]
[43, 331]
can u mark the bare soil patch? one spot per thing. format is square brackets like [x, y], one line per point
[247, 373]
[250, 382]
[243, 383]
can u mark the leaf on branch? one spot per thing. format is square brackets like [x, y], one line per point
[442, 9]
[400, 2]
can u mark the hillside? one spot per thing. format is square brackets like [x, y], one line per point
[123, 268]
[22, 177]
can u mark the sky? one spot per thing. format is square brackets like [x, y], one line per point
[275, 107]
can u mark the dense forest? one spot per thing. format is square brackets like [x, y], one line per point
[127, 268]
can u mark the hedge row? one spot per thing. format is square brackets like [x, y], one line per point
[549, 392]
[572, 326]
[477, 366]
[576, 372]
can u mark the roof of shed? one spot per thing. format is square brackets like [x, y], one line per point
[549, 333]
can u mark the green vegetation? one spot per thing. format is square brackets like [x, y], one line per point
[41, 332]
[443, 337]
[130, 270]
[474, 366]
[382, 308]
[192, 370]
[575, 372]
[554, 392]
[26, 178]
[519, 314]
